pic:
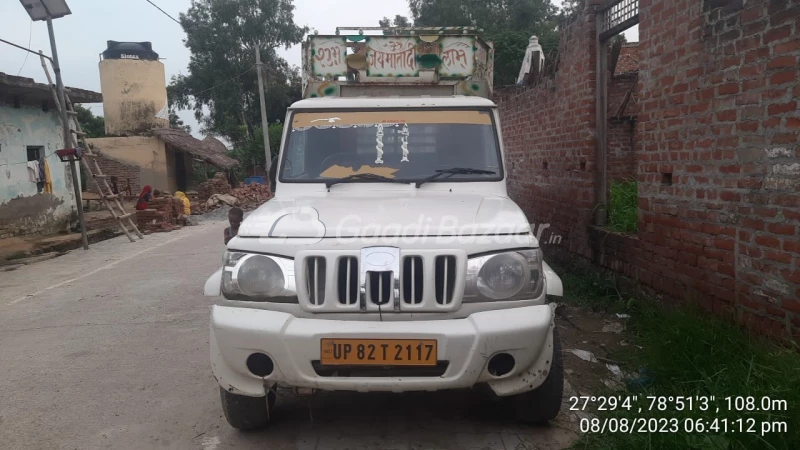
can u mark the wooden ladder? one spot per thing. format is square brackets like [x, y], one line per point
[78, 139]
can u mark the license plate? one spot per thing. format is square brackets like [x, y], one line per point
[378, 352]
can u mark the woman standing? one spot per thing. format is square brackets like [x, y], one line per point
[144, 198]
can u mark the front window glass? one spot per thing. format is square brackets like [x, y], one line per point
[401, 144]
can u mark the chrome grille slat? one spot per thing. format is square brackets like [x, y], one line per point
[347, 280]
[413, 280]
[445, 271]
[316, 280]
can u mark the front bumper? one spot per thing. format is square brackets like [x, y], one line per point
[466, 344]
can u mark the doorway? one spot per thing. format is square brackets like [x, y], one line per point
[180, 171]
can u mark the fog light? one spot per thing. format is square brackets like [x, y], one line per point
[501, 364]
[260, 365]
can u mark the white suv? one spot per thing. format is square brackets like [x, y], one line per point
[390, 259]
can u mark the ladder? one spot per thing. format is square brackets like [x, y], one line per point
[110, 199]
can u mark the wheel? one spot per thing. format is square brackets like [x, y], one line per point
[246, 413]
[542, 404]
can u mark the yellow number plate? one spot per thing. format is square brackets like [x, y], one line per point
[378, 352]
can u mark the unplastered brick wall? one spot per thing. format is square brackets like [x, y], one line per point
[125, 175]
[549, 135]
[716, 153]
[719, 161]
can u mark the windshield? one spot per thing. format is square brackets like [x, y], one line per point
[401, 145]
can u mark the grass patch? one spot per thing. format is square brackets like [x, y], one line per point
[623, 208]
[687, 353]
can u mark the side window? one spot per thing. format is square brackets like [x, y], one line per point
[296, 163]
[34, 152]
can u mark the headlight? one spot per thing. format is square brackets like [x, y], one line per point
[505, 276]
[253, 277]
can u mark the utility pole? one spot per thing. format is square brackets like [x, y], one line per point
[264, 122]
[76, 184]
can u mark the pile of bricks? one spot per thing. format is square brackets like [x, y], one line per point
[217, 185]
[252, 195]
[164, 214]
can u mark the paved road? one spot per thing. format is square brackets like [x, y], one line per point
[109, 349]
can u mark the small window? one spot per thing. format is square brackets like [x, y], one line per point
[34, 152]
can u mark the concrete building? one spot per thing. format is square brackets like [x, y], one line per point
[163, 158]
[30, 130]
[140, 149]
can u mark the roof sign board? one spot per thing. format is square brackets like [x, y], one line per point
[458, 56]
[392, 57]
[328, 55]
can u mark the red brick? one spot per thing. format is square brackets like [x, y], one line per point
[730, 169]
[727, 89]
[793, 122]
[782, 62]
[765, 212]
[788, 214]
[782, 108]
[727, 116]
[785, 138]
[774, 311]
[791, 305]
[747, 126]
[788, 47]
[781, 228]
[768, 241]
[750, 183]
[791, 246]
[787, 76]
[729, 196]
[753, 224]
[777, 34]
[778, 256]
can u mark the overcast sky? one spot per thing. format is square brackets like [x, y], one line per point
[82, 36]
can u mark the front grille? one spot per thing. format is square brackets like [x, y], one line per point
[379, 287]
[315, 279]
[445, 279]
[413, 280]
[347, 280]
[379, 371]
[423, 280]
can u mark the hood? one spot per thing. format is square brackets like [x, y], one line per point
[358, 215]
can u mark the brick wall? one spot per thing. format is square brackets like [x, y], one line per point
[628, 58]
[716, 150]
[125, 174]
[549, 134]
[719, 118]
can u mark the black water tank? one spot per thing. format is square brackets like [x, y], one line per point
[130, 50]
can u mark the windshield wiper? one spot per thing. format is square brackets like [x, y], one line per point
[363, 177]
[455, 171]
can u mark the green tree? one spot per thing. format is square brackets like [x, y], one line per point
[222, 84]
[507, 23]
[398, 21]
[176, 122]
[572, 6]
[93, 126]
[250, 152]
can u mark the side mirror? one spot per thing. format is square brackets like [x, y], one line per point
[273, 174]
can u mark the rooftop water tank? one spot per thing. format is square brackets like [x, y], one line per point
[130, 50]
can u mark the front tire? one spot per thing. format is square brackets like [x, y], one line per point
[542, 404]
[247, 413]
